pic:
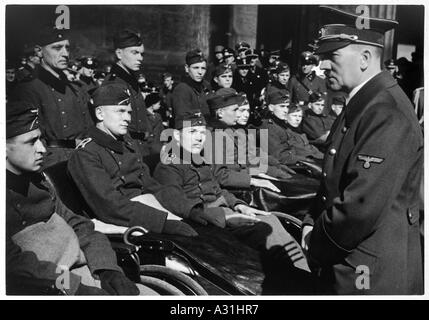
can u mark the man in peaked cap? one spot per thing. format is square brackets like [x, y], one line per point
[306, 81]
[129, 51]
[365, 223]
[190, 95]
[32, 61]
[88, 67]
[241, 49]
[63, 106]
[42, 235]
[243, 82]
[112, 177]
[258, 75]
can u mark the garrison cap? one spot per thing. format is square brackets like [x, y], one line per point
[50, 35]
[278, 97]
[316, 96]
[189, 119]
[127, 38]
[221, 69]
[224, 97]
[228, 52]
[194, 56]
[111, 95]
[281, 67]
[21, 117]
[342, 28]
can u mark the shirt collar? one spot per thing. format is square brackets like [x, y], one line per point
[356, 89]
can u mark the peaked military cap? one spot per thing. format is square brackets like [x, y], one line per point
[187, 120]
[242, 46]
[89, 62]
[251, 53]
[50, 35]
[308, 58]
[111, 95]
[281, 67]
[342, 28]
[275, 53]
[243, 62]
[21, 117]
[228, 52]
[127, 38]
[278, 97]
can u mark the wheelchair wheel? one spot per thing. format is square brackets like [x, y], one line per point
[160, 286]
[182, 282]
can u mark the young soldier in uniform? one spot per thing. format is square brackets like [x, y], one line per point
[129, 52]
[222, 77]
[306, 81]
[193, 90]
[113, 179]
[63, 106]
[44, 239]
[317, 123]
[153, 103]
[366, 216]
[32, 62]
[194, 177]
[281, 80]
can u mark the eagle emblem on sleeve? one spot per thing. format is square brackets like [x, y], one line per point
[367, 160]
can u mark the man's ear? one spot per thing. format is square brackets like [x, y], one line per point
[176, 135]
[215, 79]
[118, 53]
[271, 107]
[365, 58]
[99, 113]
[186, 68]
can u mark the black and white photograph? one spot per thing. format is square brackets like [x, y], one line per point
[213, 150]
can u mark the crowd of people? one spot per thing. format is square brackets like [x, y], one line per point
[107, 121]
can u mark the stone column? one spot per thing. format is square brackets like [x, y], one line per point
[243, 22]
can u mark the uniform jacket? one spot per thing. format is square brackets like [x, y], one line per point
[196, 181]
[276, 86]
[31, 199]
[110, 172]
[190, 97]
[88, 84]
[139, 122]
[155, 129]
[63, 106]
[312, 81]
[316, 125]
[259, 78]
[301, 145]
[246, 85]
[279, 146]
[366, 211]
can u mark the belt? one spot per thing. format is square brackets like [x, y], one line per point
[71, 144]
[137, 135]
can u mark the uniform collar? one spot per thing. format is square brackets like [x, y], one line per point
[128, 77]
[20, 183]
[198, 86]
[281, 123]
[59, 84]
[217, 124]
[107, 141]
[367, 92]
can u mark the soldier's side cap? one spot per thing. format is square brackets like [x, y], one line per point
[194, 56]
[222, 69]
[190, 119]
[281, 67]
[224, 97]
[341, 28]
[242, 46]
[50, 35]
[127, 38]
[111, 95]
[278, 97]
[21, 117]
[316, 96]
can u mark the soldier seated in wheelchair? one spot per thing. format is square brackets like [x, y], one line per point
[50, 249]
[112, 177]
[183, 166]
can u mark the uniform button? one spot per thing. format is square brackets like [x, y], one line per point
[62, 112]
[18, 205]
[199, 184]
[410, 216]
[119, 162]
[59, 100]
[52, 89]
[24, 223]
[123, 178]
[344, 130]
[323, 198]
[111, 151]
[65, 126]
[332, 152]
[138, 160]
[324, 174]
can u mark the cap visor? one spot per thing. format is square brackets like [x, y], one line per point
[328, 46]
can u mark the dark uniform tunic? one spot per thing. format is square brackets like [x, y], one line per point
[301, 85]
[88, 84]
[246, 85]
[277, 86]
[110, 172]
[190, 96]
[367, 209]
[30, 199]
[259, 79]
[316, 125]
[155, 129]
[139, 125]
[63, 112]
